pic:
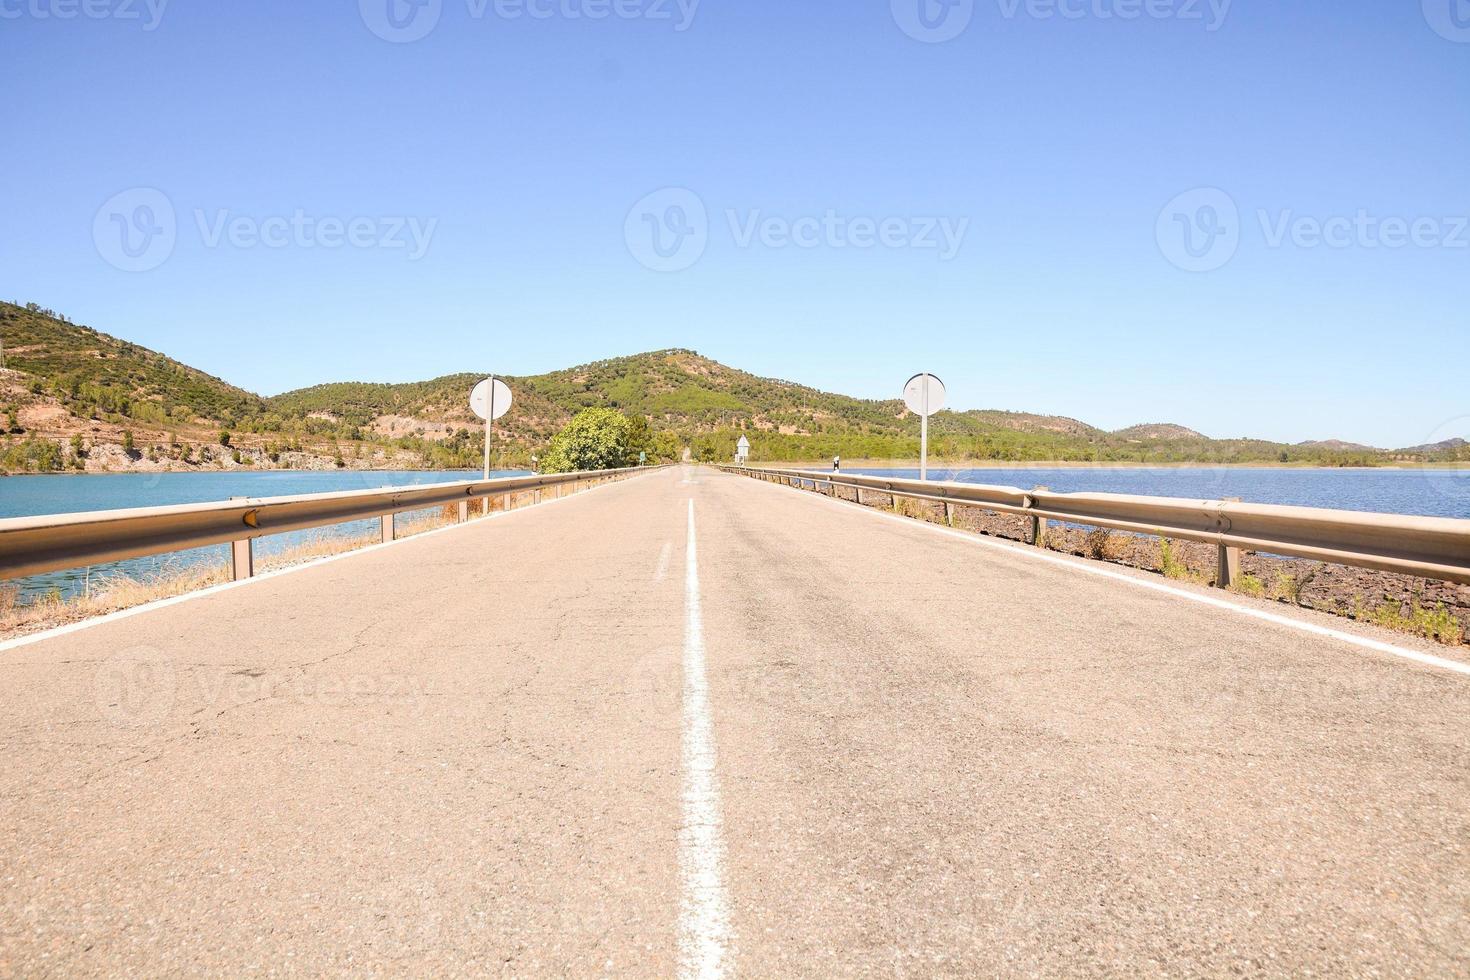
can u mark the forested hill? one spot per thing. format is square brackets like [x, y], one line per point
[90, 371]
[73, 396]
[706, 404]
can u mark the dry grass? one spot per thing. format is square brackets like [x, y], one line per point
[1105, 545]
[120, 592]
[1173, 565]
[319, 544]
[919, 510]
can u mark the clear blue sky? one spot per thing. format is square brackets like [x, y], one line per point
[1059, 136]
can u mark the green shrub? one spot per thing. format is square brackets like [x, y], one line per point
[1251, 585]
[595, 439]
[1287, 588]
[1169, 563]
[1436, 624]
[33, 455]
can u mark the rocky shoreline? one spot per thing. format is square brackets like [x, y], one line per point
[108, 458]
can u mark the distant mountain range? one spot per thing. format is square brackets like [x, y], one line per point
[62, 382]
[1450, 446]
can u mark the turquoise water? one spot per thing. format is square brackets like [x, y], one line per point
[23, 496]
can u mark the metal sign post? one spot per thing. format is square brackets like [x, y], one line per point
[490, 400]
[924, 395]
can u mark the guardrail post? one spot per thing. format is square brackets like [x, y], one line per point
[464, 512]
[949, 513]
[387, 522]
[242, 559]
[537, 498]
[505, 501]
[1038, 524]
[1227, 561]
[242, 556]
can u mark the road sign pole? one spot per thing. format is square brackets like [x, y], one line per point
[489, 424]
[923, 394]
[924, 435]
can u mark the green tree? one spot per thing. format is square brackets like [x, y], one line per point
[77, 448]
[665, 447]
[595, 439]
[127, 443]
[224, 437]
[640, 440]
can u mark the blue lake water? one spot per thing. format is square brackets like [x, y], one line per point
[1444, 493]
[24, 496]
[1436, 493]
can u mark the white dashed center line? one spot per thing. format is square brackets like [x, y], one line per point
[704, 919]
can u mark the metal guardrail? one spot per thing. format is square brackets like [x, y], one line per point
[50, 542]
[1428, 547]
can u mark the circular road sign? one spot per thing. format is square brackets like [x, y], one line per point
[915, 390]
[480, 400]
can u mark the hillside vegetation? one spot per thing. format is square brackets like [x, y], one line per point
[92, 374]
[74, 396]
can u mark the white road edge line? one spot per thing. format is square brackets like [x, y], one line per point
[704, 919]
[86, 624]
[1378, 646]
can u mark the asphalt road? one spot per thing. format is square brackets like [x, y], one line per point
[817, 742]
